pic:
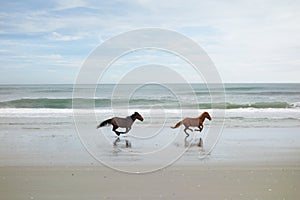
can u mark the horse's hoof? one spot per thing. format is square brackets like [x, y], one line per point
[128, 144]
[200, 144]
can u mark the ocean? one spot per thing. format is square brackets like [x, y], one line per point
[246, 105]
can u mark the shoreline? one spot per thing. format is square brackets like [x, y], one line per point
[236, 146]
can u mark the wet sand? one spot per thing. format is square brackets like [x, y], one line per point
[246, 164]
[176, 182]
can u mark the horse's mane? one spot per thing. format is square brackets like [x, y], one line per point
[203, 115]
[134, 114]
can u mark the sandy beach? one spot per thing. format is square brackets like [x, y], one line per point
[176, 182]
[252, 165]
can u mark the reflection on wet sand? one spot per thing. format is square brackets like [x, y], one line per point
[117, 143]
[190, 143]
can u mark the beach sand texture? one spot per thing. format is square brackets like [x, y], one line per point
[239, 168]
[178, 182]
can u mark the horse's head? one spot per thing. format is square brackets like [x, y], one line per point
[138, 116]
[206, 115]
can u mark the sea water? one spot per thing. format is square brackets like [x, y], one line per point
[246, 105]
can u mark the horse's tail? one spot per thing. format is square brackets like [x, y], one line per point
[177, 125]
[104, 123]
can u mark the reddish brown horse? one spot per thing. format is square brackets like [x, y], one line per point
[117, 122]
[193, 122]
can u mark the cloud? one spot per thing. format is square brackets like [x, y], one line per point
[241, 37]
[66, 4]
[59, 37]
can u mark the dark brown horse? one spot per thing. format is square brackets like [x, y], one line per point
[117, 122]
[193, 122]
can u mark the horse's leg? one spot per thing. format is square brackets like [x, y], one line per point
[128, 143]
[187, 128]
[186, 132]
[186, 142]
[200, 143]
[190, 129]
[127, 129]
[115, 130]
[116, 141]
[200, 128]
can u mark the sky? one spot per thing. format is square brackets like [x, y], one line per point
[44, 42]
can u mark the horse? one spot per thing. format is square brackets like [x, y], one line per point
[193, 122]
[117, 122]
